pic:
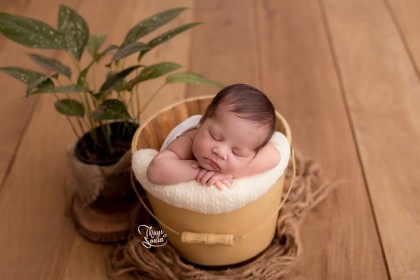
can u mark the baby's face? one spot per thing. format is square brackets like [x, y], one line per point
[227, 143]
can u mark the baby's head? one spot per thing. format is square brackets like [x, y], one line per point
[236, 125]
[247, 103]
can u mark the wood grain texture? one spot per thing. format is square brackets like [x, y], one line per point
[35, 234]
[383, 95]
[344, 73]
[176, 50]
[87, 260]
[16, 109]
[406, 18]
[224, 47]
[339, 238]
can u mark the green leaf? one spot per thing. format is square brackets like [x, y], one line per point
[108, 50]
[63, 89]
[26, 76]
[100, 96]
[70, 107]
[129, 49]
[111, 109]
[43, 82]
[119, 86]
[170, 34]
[148, 25]
[30, 32]
[167, 36]
[191, 78]
[152, 72]
[116, 77]
[82, 76]
[75, 30]
[95, 42]
[51, 64]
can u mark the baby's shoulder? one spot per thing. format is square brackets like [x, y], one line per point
[190, 134]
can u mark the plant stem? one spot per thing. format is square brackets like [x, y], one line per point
[76, 63]
[92, 130]
[85, 99]
[68, 119]
[73, 128]
[81, 126]
[150, 99]
[106, 131]
[137, 102]
[122, 98]
[89, 109]
[131, 104]
[94, 76]
[135, 92]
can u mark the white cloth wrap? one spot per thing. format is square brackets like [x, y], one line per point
[193, 196]
[188, 124]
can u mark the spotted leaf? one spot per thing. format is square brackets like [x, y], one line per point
[30, 32]
[75, 30]
[111, 109]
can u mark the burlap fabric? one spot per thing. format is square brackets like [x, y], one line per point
[88, 181]
[100, 199]
[133, 261]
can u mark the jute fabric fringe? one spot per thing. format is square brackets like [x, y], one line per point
[309, 189]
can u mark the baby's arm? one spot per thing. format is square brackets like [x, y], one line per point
[174, 165]
[266, 158]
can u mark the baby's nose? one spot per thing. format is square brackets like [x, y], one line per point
[219, 152]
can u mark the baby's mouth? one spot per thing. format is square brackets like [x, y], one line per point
[212, 163]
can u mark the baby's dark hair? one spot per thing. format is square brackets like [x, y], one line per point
[248, 103]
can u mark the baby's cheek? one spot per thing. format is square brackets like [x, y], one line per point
[195, 150]
[234, 167]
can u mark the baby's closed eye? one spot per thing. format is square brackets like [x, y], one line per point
[214, 136]
[241, 153]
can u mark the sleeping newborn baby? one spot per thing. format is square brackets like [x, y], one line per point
[229, 141]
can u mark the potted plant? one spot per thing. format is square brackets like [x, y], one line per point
[104, 118]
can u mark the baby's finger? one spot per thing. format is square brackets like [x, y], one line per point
[195, 164]
[226, 182]
[201, 174]
[219, 185]
[206, 177]
[228, 176]
[213, 180]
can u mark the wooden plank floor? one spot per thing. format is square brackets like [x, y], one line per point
[345, 74]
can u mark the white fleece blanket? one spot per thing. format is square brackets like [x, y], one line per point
[193, 196]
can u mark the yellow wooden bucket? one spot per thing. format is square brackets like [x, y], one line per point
[211, 239]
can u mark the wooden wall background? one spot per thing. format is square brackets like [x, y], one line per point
[345, 74]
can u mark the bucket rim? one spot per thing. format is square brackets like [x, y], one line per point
[134, 141]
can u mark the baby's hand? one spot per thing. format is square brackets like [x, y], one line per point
[225, 183]
[217, 179]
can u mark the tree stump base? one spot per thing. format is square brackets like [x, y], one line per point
[103, 221]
